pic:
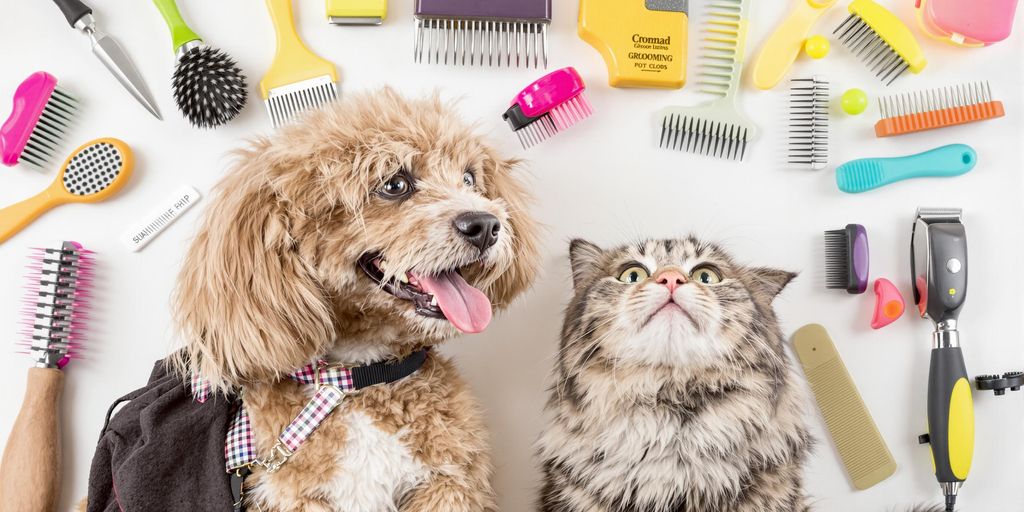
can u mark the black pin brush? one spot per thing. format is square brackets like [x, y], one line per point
[209, 88]
[846, 259]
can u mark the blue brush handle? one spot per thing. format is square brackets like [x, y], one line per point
[869, 173]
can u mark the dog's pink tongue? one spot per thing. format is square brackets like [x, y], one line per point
[467, 308]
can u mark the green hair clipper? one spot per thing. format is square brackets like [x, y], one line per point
[939, 266]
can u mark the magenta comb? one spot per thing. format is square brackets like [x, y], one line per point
[548, 106]
[56, 303]
[41, 113]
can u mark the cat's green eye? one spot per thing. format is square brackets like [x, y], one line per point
[633, 275]
[706, 275]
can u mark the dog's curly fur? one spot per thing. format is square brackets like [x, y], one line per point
[271, 281]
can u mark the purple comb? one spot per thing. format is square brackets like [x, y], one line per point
[847, 258]
[56, 302]
[461, 32]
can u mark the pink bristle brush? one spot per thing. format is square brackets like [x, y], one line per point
[40, 115]
[55, 306]
[548, 106]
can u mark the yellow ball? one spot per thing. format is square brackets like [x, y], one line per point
[854, 101]
[816, 47]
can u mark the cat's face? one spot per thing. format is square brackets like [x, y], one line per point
[670, 303]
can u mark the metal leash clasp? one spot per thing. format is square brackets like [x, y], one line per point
[279, 455]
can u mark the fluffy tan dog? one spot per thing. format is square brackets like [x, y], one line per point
[368, 231]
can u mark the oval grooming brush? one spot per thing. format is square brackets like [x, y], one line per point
[548, 106]
[41, 113]
[783, 46]
[54, 310]
[93, 172]
[870, 173]
[209, 88]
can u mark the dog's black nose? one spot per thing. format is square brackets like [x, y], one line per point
[478, 228]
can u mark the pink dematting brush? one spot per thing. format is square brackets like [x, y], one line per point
[548, 106]
[54, 310]
[41, 112]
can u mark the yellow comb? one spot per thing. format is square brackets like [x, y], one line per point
[298, 79]
[782, 47]
[93, 172]
[883, 42]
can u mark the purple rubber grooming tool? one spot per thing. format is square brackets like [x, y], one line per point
[483, 32]
[846, 259]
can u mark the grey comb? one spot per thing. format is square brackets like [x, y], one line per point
[808, 122]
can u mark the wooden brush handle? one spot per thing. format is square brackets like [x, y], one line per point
[31, 466]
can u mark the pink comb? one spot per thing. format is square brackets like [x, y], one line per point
[56, 304]
[889, 304]
[41, 114]
[550, 105]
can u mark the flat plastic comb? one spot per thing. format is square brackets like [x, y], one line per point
[936, 108]
[550, 105]
[870, 173]
[717, 128]
[808, 122]
[93, 172]
[883, 42]
[56, 304]
[42, 112]
[474, 32]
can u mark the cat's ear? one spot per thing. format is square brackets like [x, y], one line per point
[769, 281]
[583, 257]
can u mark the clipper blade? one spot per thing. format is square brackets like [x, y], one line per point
[471, 33]
[808, 123]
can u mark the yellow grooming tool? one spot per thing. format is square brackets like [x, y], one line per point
[783, 46]
[643, 42]
[93, 172]
[298, 79]
[883, 42]
[865, 455]
[357, 12]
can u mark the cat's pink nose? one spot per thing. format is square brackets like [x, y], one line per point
[670, 279]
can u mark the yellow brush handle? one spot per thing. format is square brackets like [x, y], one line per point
[14, 218]
[30, 470]
[783, 46]
[292, 60]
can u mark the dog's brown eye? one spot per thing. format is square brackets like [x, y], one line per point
[469, 178]
[397, 187]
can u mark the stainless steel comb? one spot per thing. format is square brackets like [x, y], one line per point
[474, 32]
[808, 123]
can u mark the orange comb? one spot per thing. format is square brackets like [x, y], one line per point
[936, 108]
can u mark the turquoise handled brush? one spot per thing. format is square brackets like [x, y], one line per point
[870, 173]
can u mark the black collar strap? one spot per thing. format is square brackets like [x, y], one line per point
[386, 372]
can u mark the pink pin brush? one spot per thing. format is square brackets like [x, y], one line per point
[548, 106]
[889, 305]
[55, 305]
[41, 113]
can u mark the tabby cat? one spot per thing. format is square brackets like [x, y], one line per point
[673, 391]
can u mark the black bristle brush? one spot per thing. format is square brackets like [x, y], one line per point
[209, 88]
[847, 258]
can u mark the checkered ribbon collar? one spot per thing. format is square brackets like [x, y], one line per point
[332, 384]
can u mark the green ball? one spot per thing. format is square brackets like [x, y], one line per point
[854, 101]
[816, 47]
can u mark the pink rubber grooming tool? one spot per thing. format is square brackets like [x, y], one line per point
[39, 117]
[56, 302]
[550, 105]
[889, 305]
[966, 22]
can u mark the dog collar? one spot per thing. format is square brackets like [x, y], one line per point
[332, 383]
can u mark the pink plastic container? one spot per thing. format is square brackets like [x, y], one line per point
[970, 23]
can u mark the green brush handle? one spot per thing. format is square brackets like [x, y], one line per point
[180, 33]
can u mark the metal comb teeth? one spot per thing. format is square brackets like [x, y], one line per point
[285, 103]
[556, 120]
[693, 133]
[478, 42]
[56, 303]
[808, 123]
[863, 41]
[53, 122]
[931, 100]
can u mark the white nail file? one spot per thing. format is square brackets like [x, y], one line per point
[153, 224]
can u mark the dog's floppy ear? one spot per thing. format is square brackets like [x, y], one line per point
[504, 186]
[247, 303]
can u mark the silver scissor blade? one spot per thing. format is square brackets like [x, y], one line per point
[114, 58]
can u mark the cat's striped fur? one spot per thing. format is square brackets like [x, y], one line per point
[663, 409]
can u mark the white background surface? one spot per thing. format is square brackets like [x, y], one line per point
[604, 180]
